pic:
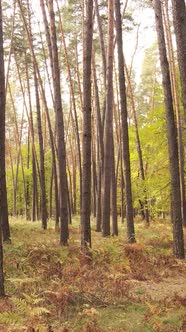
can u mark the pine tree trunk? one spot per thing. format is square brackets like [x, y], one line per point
[144, 202]
[3, 193]
[63, 189]
[179, 20]
[2, 290]
[175, 94]
[107, 168]
[114, 192]
[124, 123]
[100, 147]
[101, 38]
[176, 215]
[43, 97]
[86, 184]
[73, 100]
[18, 141]
[42, 159]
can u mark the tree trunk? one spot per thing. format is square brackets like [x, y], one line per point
[73, 100]
[101, 38]
[43, 97]
[18, 140]
[139, 150]
[176, 215]
[124, 123]
[3, 193]
[100, 147]
[60, 132]
[179, 20]
[86, 184]
[175, 94]
[42, 159]
[114, 192]
[107, 168]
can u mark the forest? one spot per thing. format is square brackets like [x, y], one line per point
[92, 165]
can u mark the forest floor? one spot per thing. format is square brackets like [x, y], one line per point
[122, 287]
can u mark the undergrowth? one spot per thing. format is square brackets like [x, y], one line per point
[51, 289]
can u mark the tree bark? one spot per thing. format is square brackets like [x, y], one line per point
[3, 193]
[176, 215]
[86, 184]
[107, 168]
[175, 94]
[43, 97]
[179, 21]
[73, 100]
[42, 157]
[124, 123]
[64, 233]
[144, 202]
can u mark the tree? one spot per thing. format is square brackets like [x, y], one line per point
[124, 123]
[179, 20]
[176, 215]
[107, 167]
[86, 185]
[176, 100]
[3, 194]
[4, 223]
[144, 201]
[63, 188]
[42, 156]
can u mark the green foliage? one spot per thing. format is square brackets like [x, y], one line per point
[152, 131]
[25, 309]
[10, 319]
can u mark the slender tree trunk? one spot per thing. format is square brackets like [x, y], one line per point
[176, 215]
[98, 204]
[179, 20]
[34, 189]
[27, 182]
[3, 193]
[74, 186]
[73, 99]
[100, 147]
[35, 204]
[43, 97]
[114, 192]
[70, 188]
[139, 150]
[98, 110]
[94, 181]
[48, 37]
[78, 77]
[107, 173]
[86, 184]
[2, 290]
[101, 39]
[124, 116]
[18, 140]
[35, 165]
[123, 198]
[13, 211]
[42, 159]
[51, 194]
[60, 132]
[175, 89]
